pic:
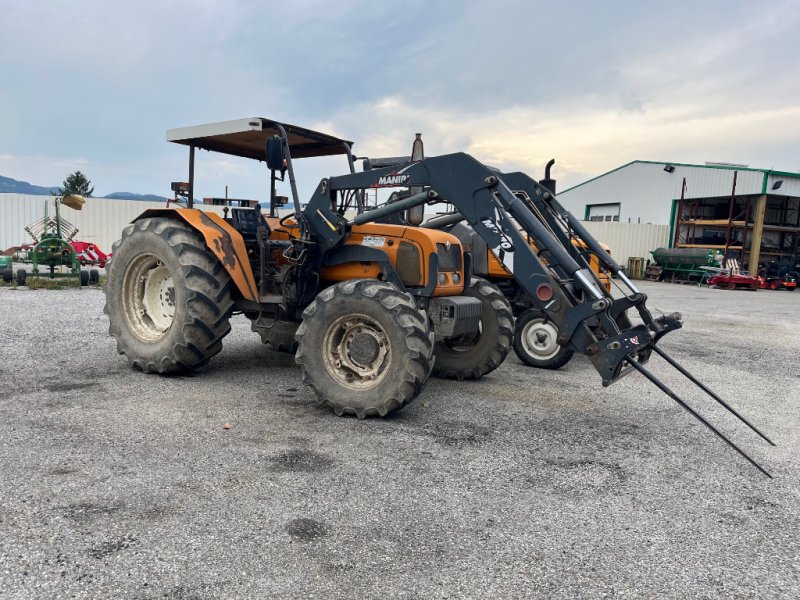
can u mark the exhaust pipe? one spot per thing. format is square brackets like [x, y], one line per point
[548, 182]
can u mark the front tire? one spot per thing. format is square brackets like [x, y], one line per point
[168, 299]
[535, 341]
[472, 357]
[365, 348]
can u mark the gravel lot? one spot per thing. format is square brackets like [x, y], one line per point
[527, 483]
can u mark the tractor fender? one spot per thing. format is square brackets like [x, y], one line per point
[221, 238]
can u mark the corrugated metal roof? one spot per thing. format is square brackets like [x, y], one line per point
[679, 164]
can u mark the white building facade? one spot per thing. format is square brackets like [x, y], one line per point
[749, 214]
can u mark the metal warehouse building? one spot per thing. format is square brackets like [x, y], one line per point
[750, 214]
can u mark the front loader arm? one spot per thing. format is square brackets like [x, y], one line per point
[550, 278]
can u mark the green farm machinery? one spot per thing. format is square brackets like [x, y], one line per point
[686, 265]
[6, 269]
[51, 255]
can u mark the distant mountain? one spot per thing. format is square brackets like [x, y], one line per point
[131, 196]
[14, 186]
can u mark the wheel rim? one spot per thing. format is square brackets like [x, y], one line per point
[539, 339]
[149, 297]
[357, 351]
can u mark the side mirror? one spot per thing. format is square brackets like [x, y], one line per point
[275, 153]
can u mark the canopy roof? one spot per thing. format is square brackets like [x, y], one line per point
[247, 138]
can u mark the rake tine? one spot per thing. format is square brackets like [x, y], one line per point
[672, 395]
[670, 360]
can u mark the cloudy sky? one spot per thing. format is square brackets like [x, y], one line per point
[94, 85]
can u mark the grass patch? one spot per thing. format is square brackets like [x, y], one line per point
[45, 283]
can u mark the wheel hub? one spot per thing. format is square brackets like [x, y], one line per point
[539, 339]
[363, 349]
[357, 351]
[149, 297]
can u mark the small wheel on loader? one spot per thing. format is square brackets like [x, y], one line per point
[84, 278]
[473, 356]
[535, 341]
[8, 275]
[94, 277]
[22, 276]
[365, 348]
[168, 298]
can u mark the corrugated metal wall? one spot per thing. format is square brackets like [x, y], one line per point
[630, 239]
[101, 221]
[645, 191]
[789, 187]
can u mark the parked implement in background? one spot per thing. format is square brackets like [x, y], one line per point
[686, 265]
[6, 268]
[742, 281]
[52, 255]
[374, 301]
[89, 255]
[778, 275]
[775, 282]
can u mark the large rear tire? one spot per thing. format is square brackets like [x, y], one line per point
[472, 357]
[168, 299]
[535, 341]
[365, 348]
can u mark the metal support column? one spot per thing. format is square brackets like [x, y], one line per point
[190, 199]
[679, 217]
[729, 229]
[758, 234]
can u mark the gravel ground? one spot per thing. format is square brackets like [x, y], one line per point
[527, 483]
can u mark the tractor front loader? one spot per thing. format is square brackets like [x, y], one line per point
[548, 252]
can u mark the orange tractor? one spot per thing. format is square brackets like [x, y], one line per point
[374, 307]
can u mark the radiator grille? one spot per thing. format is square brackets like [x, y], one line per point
[408, 264]
[449, 258]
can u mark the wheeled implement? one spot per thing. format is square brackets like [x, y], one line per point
[52, 254]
